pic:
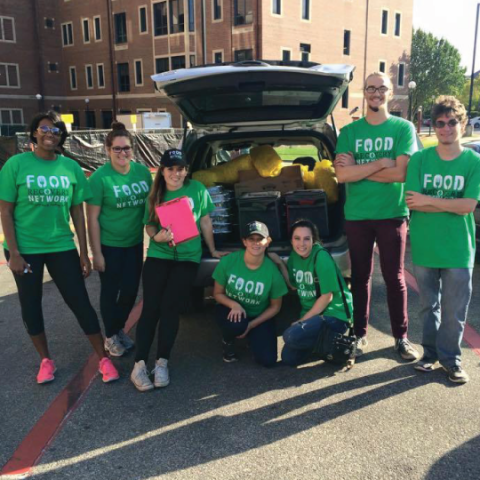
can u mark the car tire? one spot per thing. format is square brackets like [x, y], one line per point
[477, 125]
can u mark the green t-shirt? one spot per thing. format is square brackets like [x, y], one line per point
[43, 192]
[202, 205]
[302, 274]
[252, 289]
[443, 240]
[122, 199]
[366, 199]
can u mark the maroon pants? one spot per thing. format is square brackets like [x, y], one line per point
[390, 235]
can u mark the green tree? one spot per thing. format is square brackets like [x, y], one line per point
[435, 66]
[464, 96]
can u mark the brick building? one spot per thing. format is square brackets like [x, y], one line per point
[95, 57]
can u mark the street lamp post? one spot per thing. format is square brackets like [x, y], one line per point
[473, 65]
[411, 87]
[87, 105]
[39, 100]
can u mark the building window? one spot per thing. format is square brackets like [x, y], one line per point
[346, 42]
[286, 55]
[86, 30]
[11, 116]
[401, 75]
[242, 55]
[89, 75]
[193, 60]
[177, 16]
[398, 23]
[107, 119]
[217, 9]
[305, 49]
[218, 57]
[191, 15]
[73, 78]
[277, 7]
[49, 23]
[120, 22]
[100, 75]
[123, 77]
[97, 25]
[384, 22]
[67, 34]
[52, 67]
[161, 65]
[243, 12]
[90, 119]
[160, 18]
[305, 9]
[9, 75]
[345, 99]
[142, 19]
[382, 66]
[138, 73]
[178, 62]
[7, 29]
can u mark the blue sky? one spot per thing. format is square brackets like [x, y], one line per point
[452, 19]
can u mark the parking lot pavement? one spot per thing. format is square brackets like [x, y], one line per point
[381, 420]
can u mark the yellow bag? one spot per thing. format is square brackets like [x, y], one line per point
[207, 177]
[266, 161]
[325, 178]
[226, 173]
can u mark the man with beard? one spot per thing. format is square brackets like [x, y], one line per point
[372, 157]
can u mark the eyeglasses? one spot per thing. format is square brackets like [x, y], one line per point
[53, 130]
[375, 89]
[451, 123]
[126, 149]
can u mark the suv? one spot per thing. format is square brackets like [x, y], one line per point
[235, 107]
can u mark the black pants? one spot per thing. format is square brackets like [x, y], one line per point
[166, 283]
[65, 270]
[262, 339]
[120, 281]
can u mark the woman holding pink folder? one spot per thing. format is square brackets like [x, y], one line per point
[170, 269]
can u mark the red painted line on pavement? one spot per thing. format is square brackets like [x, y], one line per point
[30, 451]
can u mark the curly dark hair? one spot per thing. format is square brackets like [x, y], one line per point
[55, 119]
[449, 106]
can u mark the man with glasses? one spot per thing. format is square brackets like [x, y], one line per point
[443, 187]
[372, 157]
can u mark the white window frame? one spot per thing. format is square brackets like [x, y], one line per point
[65, 25]
[52, 71]
[8, 79]
[163, 110]
[161, 56]
[11, 110]
[218, 20]
[398, 74]
[70, 77]
[86, 76]
[222, 51]
[285, 49]
[309, 19]
[82, 23]
[2, 18]
[281, 8]
[146, 19]
[135, 71]
[98, 76]
[144, 110]
[384, 62]
[95, 30]
[381, 21]
[395, 23]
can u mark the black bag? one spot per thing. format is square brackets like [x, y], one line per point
[334, 347]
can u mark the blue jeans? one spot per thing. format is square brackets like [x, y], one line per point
[444, 296]
[301, 338]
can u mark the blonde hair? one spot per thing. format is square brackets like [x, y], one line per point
[378, 74]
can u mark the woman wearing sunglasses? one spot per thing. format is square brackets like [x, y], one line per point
[115, 225]
[39, 192]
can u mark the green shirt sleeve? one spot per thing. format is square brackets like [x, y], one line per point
[343, 144]
[326, 273]
[220, 274]
[206, 203]
[407, 144]
[291, 276]
[8, 182]
[472, 189]
[82, 191]
[412, 182]
[96, 186]
[279, 288]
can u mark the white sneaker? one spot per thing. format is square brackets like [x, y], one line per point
[140, 378]
[114, 346]
[126, 341]
[161, 376]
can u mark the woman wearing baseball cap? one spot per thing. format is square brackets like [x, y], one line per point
[249, 290]
[168, 273]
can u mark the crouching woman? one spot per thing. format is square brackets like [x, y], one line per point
[249, 290]
[324, 297]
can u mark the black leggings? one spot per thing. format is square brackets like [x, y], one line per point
[166, 284]
[120, 281]
[65, 270]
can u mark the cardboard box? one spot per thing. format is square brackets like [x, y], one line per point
[290, 178]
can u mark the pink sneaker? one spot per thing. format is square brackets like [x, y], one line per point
[108, 370]
[46, 371]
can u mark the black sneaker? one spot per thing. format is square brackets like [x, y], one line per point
[229, 355]
[457, 374]
[406, 350]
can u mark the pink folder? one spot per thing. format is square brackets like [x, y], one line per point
[178, 215]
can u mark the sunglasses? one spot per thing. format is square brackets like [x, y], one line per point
[53, 130]
[375, 89]
[126, 149]
[451, 123]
